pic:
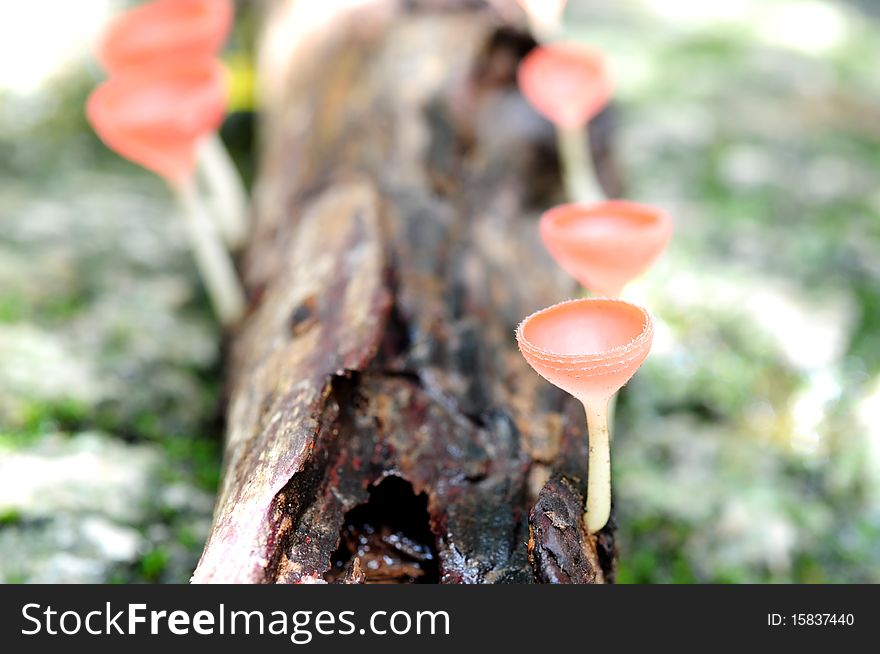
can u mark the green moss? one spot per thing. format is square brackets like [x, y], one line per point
[199, 456]
[153, 563]
[148, 425]
[865, 342]
[13, 308]
[52, 311]
[60, 309]
[654, 551]
[10, 517]
[65, 415]
[38, 418]
[117, 577]
[189, 540]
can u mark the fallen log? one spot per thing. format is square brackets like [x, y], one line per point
[382, 426]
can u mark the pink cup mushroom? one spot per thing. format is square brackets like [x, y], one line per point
[172, 30]
[607, 244]
[165, 33]
[569, 84]
[589, 348]
[156, 117]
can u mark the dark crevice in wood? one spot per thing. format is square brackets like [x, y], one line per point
[388, 538]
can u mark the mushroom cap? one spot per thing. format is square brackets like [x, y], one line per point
[156, 115]
[166, 29]
[567, 83]
[588, 347]
[607, 244]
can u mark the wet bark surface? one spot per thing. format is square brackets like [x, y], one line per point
[560, 550]
[382, 426]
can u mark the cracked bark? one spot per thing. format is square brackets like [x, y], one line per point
[395, 250]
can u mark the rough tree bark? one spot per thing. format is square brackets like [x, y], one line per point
[382, 425]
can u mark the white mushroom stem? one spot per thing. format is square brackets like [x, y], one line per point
[612, 411]
[544, 17]
[581, 182]
[599, 468]
[578, 173]
[228, 197]
[213, 261]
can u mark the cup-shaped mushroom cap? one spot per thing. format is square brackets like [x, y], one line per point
[607, 244]
[566, 83]
[169, 30]
[155, 116]
[589, 347]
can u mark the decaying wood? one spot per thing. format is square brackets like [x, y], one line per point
[560, 550]
[382, 426]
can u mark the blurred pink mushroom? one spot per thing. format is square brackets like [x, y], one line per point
[170, 30]
[167, 34]
[607, 244]
[157, 116]
[569, 84]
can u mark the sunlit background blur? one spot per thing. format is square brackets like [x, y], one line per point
[747, 448]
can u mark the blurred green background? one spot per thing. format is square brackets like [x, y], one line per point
[747, 448]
